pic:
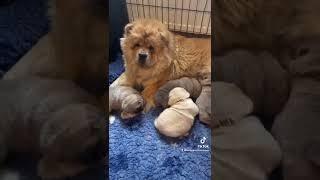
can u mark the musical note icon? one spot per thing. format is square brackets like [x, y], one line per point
[203, 140]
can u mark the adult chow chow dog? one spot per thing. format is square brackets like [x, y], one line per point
[153, 55]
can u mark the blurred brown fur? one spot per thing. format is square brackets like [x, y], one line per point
[80, 40]
[262, 24]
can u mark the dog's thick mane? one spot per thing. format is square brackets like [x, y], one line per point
[183, 59]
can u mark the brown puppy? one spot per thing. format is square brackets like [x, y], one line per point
[153, 55]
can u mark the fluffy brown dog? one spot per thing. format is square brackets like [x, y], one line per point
[153, 55]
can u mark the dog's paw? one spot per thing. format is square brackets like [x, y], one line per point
[148, 95]
[149, 105]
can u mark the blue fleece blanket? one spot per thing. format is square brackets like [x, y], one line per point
[22, 23]
[138, 151]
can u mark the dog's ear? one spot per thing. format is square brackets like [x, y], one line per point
[122, 41]
[127, 29]
[167, 38]
[164, 38]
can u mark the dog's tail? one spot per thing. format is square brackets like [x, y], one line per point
[9, 175]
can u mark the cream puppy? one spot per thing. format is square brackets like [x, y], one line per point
[177, 120]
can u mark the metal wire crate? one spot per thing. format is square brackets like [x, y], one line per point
[189, 16]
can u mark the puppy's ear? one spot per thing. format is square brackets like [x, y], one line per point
[127, 29]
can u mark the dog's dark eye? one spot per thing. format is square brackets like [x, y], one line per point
[151, 48]
[136, 45]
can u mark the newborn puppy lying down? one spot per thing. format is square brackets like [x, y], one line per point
[177, 120]
[126, 100]
[200, 91]
[54, 119]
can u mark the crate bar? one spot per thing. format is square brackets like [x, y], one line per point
[132, 16]
[188, 16]
[195, 17]
[205, 7]
[168, 14]
[149, 8]
[208, 25]
[181, 15]
[162, 10]
[191, 10]
[199, 13]
[144, 15]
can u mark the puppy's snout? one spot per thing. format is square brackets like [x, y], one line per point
[143, 57]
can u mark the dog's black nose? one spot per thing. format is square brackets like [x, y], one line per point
[142, 57]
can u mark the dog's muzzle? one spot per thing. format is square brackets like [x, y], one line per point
[143, 58]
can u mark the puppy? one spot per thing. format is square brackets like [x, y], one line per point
[153, 55]
[126, 99]
[191, 85]
[177, 120]
[52, 118]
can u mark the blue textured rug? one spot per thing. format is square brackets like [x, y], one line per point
[138, 151]
[22, 23]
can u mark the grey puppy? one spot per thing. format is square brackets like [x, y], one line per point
[55, 119]
[192, 86]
